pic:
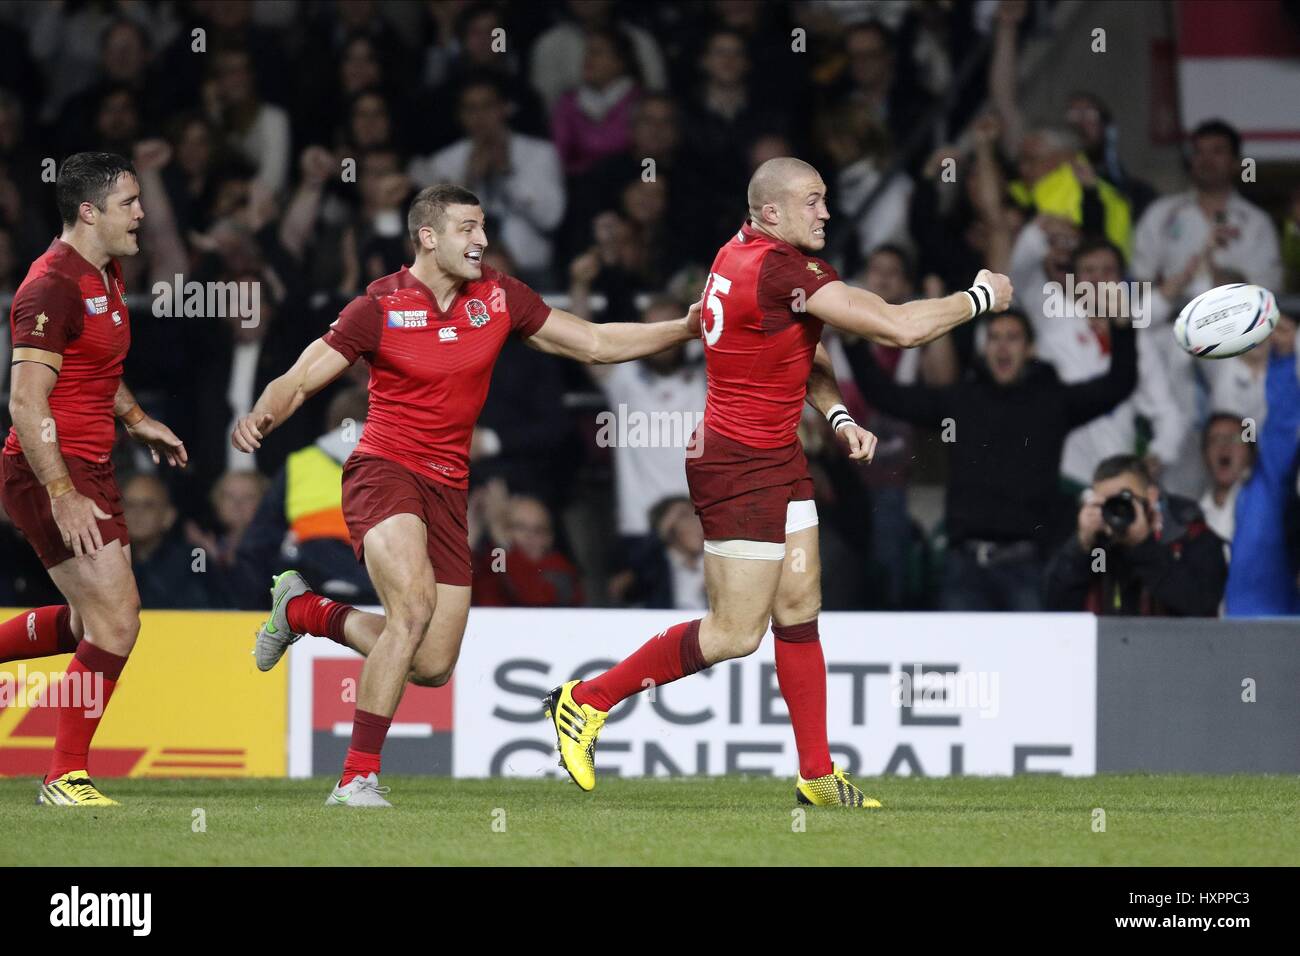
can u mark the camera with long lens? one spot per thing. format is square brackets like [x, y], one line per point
[1118, 512]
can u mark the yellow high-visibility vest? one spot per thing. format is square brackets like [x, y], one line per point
[1060, 193]
[313, 495]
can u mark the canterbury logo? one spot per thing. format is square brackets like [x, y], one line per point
[31, 626]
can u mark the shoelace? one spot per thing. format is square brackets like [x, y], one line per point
[82, 789]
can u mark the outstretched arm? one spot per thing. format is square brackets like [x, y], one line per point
[867, 315]
[564, 334]
[317, 366]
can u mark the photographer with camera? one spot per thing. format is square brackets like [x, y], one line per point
[1137, 552]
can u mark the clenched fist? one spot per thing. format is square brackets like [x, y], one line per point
[1001, 287]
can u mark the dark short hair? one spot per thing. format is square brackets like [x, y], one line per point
[660, 508]
[624, 49]
[429, 207]
[141, 34]
[652, 98]
[88, 177]
[1233, 419]
[902, 255]
[1018, 317]
[886, 35]
[477, 78]
[1117, 465]
[1218, 127]
[471, 12]
[1095, 101]
[1096, 244]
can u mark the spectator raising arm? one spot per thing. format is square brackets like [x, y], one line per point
[918, 404]
[1261, 580]
[299, 220]
[1088, 399]
[1003, 69]
[167, 255]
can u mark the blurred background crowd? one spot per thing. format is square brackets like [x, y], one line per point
[611, 144]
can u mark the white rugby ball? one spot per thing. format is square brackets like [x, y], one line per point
[1226, 321]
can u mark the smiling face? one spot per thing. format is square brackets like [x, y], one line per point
[459, 244]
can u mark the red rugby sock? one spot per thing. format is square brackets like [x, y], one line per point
[368, 734]
[666, 657]
[38, 633]
[312, 614]
[801, 674]
[96, 671]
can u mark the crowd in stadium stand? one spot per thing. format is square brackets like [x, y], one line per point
[611, 145]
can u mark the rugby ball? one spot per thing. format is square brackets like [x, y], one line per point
[1226, 321]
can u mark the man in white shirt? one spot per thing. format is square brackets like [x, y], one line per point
[517, 177]
[1176, 229]
[655, 405]
[1228, 460]
[1077, 344]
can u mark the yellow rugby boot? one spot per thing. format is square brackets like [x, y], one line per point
[833, 790]
[73, 789]
[576, 728]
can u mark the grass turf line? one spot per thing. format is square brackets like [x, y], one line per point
[1151, 820]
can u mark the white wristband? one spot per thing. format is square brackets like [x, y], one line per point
[981, 298]
[839, 416]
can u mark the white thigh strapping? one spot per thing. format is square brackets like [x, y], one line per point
[753, 550]
[798, 516]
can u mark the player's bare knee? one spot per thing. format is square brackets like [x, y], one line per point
[741, 638]
[797, 609]
[409, 619]
[123, 624]
[430, 676]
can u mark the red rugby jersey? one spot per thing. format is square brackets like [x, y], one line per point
[758, 341]
[429, 369]
[63, 307]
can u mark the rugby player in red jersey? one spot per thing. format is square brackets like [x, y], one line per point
[765, 302]
[431, 333]
[71, 332]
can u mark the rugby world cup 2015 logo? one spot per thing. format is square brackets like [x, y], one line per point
[477, 312]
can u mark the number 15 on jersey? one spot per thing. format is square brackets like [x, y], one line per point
[717, 287]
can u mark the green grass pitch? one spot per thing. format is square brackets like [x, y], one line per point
[1150, 820]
